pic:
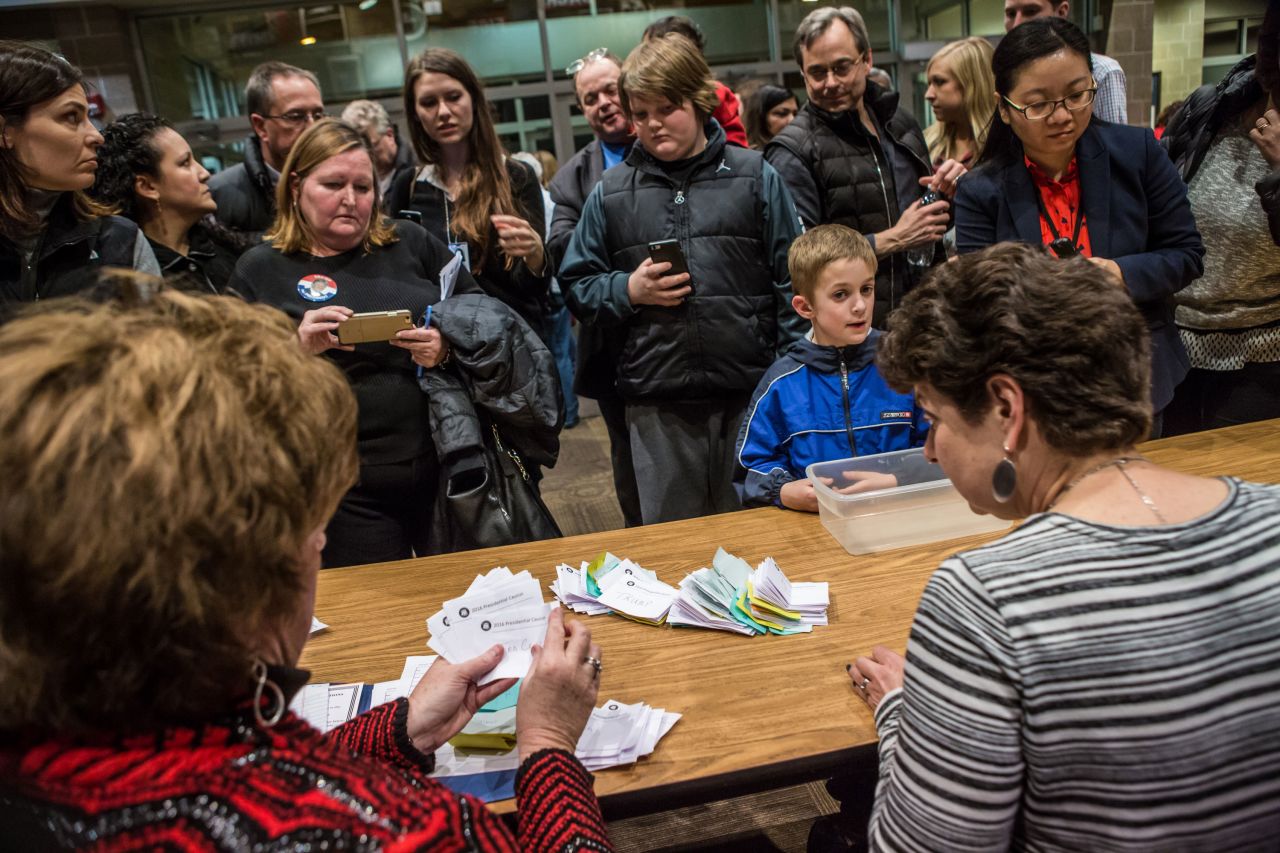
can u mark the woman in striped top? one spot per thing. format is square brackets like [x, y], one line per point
[1107, 676]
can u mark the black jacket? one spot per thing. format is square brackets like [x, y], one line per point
[735, 221]
[508, 373]
[68, 252]
[519, 288]
[594, 375]
[1206, 110]
[211, 258]
[837, 173]
[245, 193]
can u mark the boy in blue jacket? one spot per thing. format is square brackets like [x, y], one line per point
[824, 399]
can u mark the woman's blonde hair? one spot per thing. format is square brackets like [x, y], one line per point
[970, 61]
[163, 459]
[324, 139]
[670, 67]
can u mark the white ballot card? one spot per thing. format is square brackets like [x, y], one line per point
[643, 598]
[517, 629]
[449, 275]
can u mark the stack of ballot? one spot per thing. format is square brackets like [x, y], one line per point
[619, 734]
[482, 759]
[498, 607]
[730, 596]
[609, 584]
[780, 605]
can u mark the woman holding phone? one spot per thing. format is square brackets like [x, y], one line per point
[329, 255]
[50, 230]
[1052, 175]
[486, 206]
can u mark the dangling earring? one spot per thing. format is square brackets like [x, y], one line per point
[1004, 479]
[277, 695]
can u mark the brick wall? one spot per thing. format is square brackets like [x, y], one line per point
[94, 38]
[1178, 49]
[1129, 42]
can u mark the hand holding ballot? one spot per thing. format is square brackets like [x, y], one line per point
[558, 694]
[449, 695]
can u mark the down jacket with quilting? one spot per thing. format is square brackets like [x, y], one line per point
[735, 221]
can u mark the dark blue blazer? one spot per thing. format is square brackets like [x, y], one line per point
[1136, 210]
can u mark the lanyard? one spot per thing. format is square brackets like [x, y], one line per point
[1075, 236]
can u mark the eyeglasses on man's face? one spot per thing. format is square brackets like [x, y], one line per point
[818, 74]
[579, 64]
[296, 117]
[1041, 110]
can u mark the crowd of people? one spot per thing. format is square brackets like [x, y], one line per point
[1027, 289]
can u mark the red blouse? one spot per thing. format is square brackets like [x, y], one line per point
[1062, 203]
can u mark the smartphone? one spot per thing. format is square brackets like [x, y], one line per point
[669, 251]
[373, 326]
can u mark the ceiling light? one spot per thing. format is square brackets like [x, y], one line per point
[307, 40]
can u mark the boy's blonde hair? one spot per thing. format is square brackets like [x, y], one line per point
[670, 67]
[816, 248]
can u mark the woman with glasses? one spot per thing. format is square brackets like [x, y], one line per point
[1051, 175]
[50, 230]
[149, 174]
[484, 205]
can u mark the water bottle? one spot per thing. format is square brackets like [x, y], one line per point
[922, 256]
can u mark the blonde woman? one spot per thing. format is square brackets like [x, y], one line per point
[962, 94]
[330, 254]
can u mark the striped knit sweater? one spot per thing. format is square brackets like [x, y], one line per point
[1076, 686]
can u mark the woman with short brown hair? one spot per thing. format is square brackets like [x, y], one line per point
[1107, 675]
[166, 474]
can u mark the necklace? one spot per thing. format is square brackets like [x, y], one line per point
[1119, 462]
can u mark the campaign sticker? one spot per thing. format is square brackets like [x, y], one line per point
[317, 288]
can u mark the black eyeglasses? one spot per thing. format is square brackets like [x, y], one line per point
[299, 116]
[1041, 110]
[579, 64]
[817, 74]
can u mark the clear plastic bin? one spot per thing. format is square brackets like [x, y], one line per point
[923, 507]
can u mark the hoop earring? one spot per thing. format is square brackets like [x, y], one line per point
[277, 695]
[1004, 479]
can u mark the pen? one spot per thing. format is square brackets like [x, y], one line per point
[425, 323]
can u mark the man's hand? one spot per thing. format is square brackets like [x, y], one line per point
[648, 286]
[919, 226]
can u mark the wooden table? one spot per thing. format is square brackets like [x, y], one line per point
[759, 712]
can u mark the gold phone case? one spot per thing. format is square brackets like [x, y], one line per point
[373, 326]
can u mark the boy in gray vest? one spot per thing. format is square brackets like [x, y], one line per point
[693, 344]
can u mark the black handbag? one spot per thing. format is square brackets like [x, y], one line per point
[491, 505]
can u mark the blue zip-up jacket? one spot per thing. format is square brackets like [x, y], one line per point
[815, 404]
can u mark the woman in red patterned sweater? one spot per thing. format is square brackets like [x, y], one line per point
[166, 473]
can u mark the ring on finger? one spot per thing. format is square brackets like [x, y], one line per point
[595, 664]
[862, 685]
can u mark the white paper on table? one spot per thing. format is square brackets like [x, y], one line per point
[810, 596]
[644, 598]
[625, 570]
[415, 666]
[607, 730]
[317, 626]
[452, 762]
[311, 703]
[386, 691]
[494, 576]
[771, 584]
[733, 569]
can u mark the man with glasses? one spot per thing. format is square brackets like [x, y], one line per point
[853, 157]
[283, 100]
[595, 81]
[1112, 101]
